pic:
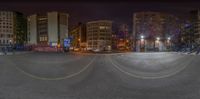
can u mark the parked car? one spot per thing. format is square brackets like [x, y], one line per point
[76, 49]
[96, 50]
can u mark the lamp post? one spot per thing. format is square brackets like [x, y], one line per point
[10, 42]
[169, 42]
[79, 43]
[142, 40]
[127, 44]
[11, 46]
[157, 41]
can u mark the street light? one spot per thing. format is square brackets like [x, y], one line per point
[142, 40]
[157, 42]
[168, 38]
[157, 38]
[168, 42]
[11, 46]
[10, 42]
[142, 37]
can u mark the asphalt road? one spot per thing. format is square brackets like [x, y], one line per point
[101, 76]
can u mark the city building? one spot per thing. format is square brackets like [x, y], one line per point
[155, 31]
[114, 41]
[47, 29]
[99, 34]
[13, 28]
[124, 41]
[187, 35]
[195, 23]
[78, 37]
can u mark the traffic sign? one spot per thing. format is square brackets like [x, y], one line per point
[66, 42]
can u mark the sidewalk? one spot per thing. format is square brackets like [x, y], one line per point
[15, 53]
[187, 53]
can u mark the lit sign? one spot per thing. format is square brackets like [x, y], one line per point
[66, 42]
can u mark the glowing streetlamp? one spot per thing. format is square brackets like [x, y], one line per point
[157, 42]
[79, 41]
[168, 38]
[142, 41]
[157, 38]
[10, 41]
[142, 37]
[168, 42]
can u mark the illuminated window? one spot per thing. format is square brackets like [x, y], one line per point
[45, 38]
[102, 27]
[40, 38]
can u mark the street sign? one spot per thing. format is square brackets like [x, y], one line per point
[66, 42]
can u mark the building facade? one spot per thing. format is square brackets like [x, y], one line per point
[99, 34]
[154, 31]
[13, 28]
[124, 38]
[187, 35]
[195, 25]
[47, 29]
[78, 36]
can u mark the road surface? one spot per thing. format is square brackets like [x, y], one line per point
[101, 76]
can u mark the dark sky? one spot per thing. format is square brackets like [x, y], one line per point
[119, 12]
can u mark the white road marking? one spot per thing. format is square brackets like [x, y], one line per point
[57, 78]
[147, 77]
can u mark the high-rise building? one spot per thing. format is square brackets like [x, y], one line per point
[99, 34]
[114, 41]
[47, 29]
[13, 28]
[155, 31]
[195, 23]
[78, 36]
[187, 36]
[123, 32]
[124, 38]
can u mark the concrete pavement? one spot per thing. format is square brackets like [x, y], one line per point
[34, 76]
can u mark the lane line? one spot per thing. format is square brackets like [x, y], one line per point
[57, 78]
[117, 66]
[70, 60]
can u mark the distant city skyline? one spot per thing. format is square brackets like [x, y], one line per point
[118, 12]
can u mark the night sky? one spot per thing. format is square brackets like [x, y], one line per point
[118, 12]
